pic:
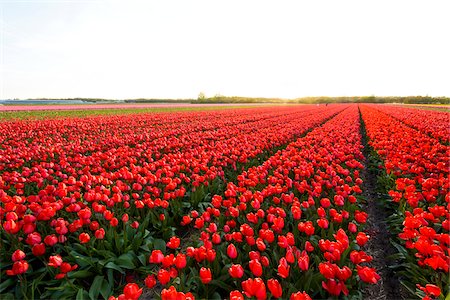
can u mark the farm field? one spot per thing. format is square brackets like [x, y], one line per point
[8, 112]
[211, 202]
[46, 107]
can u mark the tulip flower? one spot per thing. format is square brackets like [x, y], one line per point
[174, 243]
[18, 255]
[367, 274]
[236, 271]
[275, 288]
[283, 268]
[156, 257]
[19, 267]
[132, 291]
[254, 288]
[236, 295]
[84, 238]
[205, 275]
[180, 261]
[232, 251]
[303, 261]
[300, 296]
[361, 238]
[163, 276]
[38, 249]
[150, 281]
[256, 267]
[99, 234]
[55, 261]
[51, 240]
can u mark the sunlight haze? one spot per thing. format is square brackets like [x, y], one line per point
[177, 49]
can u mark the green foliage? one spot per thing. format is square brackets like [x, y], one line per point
[323, 100]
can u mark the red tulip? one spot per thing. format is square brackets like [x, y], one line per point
[135, 224]
[55, 261]
[38, 249]
[205, 275]
[173, 243]
[180, 261]
[33, 238]
[100, 234]
[231, 251]
[352, 227]
[335, 287]
[309, 247]
[360, 217]
[169, 294]
[132, 291]
[216, 238]
[300, 296]
[236, 271]
[254, 287]
[18, 255]
[290, 256]
[361, 238]
[168, 261]
[85, 213]
[254, 255]
[328, 270]
[260, 244]
[283, 268]
[114, 222]
[367, 274]
[150, 281]
[265, 261]
[51, 240]
[84, 238]
[303, 261]
[156, 257]
[323, 223]
[19, 267]
[430, 290]
[433, 290]
[163, 276]
[236, 295]
[275, 288]
[256, 267]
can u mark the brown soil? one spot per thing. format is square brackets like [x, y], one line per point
[379, 246]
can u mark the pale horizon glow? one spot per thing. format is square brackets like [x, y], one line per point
[254, 48]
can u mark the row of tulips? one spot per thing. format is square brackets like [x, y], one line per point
[431, 122]
[288, 228]
[417, 168]
[83, 201]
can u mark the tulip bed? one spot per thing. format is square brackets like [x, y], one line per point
[235, 203]
[85, 200]
[417, 177]
[433, 123]
[290, 227]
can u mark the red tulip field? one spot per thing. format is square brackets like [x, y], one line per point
[232, 203]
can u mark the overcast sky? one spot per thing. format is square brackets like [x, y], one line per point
[177, 49]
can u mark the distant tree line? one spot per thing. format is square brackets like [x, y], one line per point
[138, 100]
[318, 100]
[305, 100]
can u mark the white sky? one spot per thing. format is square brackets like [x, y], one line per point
[177, 49]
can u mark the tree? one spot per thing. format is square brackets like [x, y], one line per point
[201, 96]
